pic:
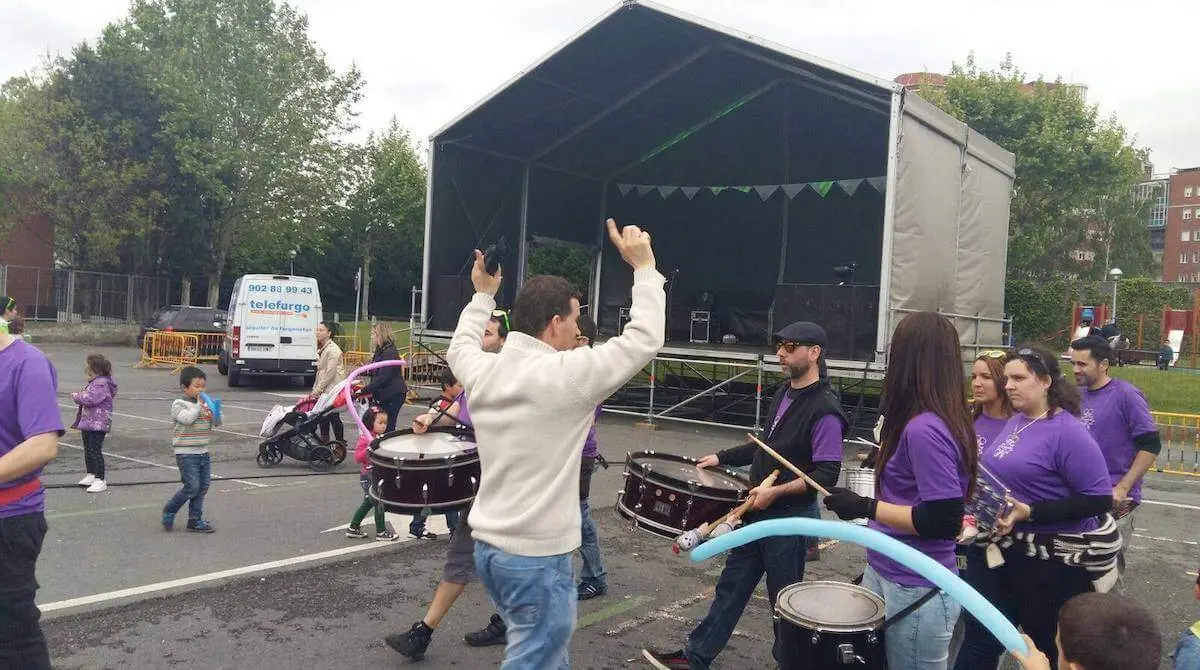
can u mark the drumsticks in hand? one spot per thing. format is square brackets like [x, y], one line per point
[698, 535]
[788, 464]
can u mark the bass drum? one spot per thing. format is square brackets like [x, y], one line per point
[438, 469]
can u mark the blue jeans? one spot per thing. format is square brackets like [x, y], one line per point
[593, 567]
[781, 559]
[921, 640]
[1187, 652]
[535, 596]
[195, 470]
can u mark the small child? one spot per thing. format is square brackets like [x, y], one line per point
[449, 409]
[377, 420]
[1187, 652]
[1101, 631]
[194, 419]
[94, 418]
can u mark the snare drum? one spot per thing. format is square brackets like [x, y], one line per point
[666, 494]
[827, 625]
[438, 469]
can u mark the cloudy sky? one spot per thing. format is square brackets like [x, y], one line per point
[426, 60]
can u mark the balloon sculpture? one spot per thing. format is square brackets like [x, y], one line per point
[349, 385]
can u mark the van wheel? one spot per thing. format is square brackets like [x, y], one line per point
[235, 377]
[221, 366]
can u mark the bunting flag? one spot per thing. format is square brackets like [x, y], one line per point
[764, 191]
[850, 185]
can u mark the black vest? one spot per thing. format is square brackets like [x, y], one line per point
[792, 437]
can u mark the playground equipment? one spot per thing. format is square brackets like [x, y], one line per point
[1134, 349]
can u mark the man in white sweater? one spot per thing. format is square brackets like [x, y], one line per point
[532, 405]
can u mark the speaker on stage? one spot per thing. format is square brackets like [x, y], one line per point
[848, 313]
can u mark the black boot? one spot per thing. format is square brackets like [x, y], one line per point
[413, 643]
[493, 633]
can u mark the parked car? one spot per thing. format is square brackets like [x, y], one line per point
[188, 319]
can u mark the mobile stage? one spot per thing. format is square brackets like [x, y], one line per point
[777, 187]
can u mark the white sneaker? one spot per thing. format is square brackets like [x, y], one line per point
[87, 481]
[97, 486]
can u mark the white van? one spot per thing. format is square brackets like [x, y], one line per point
[271, 328]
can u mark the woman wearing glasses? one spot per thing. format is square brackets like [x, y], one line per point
[926, 463]
[1051, 546]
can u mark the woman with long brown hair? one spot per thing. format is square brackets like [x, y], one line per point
[989, 402]
[1051, 546]
[924, 472]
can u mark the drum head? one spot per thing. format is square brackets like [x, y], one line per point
[437, 442]
[830, 606]
[681, 469]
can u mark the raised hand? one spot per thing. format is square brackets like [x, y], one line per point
[633, 243]
[484, 282]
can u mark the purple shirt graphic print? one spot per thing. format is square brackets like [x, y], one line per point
[1115, 414]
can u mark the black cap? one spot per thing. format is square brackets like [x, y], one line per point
[802, 332]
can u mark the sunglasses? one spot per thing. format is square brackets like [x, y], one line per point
[994, 353]
[502, 316]
[1032, 356]
[791, 347]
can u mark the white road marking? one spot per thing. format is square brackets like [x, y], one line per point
[436, 523]
[248, 409]
[209, 577]
[295, 396]
[1170, 504]
[146, 418]
[1166, 539]
[109, 454]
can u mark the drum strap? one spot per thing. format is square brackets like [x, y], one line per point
[916, 605]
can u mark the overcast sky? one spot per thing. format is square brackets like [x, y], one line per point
[425, 61]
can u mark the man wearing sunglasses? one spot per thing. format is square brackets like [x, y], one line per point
[805, 424]
[533, 405]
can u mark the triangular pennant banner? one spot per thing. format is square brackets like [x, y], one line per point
[792, 190]
[666, 191]
[624, 189]
[716, 190]
[766, 191]
[850, 185]
[643, 189]
[690, 191]
[743, 189]
[876, 183]
[822, 187]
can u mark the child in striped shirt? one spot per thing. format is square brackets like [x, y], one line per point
[193, 424]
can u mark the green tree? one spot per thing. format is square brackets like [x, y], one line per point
[1069, 159]
[253, 114]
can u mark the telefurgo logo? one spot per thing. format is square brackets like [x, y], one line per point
[278, 306]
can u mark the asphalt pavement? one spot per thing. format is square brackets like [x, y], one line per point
[279, 586]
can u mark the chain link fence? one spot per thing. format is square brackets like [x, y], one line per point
[78, 296]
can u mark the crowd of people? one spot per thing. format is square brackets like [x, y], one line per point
[1036, 480]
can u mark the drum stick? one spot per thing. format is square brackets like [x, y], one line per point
[788, 464]
[697, 535]
[737, 512]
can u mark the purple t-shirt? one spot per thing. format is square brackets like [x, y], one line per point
[1049, 459]
[986, 430]
[827, 439]
[784, 404]
[926, 466]
[28, 407]
[591, 446]
[464, 414]
[1114, 415]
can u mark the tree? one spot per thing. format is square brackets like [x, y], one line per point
[253, 114]
[1068, 159]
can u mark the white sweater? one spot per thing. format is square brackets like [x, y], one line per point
[532, 407]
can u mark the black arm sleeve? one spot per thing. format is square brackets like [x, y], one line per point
[826, 473]
[1150, 442]
[1078, 506]
[939, 519]
[737, 456]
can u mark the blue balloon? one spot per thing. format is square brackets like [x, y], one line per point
[985, 612]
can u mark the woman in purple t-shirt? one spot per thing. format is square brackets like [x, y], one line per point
[989, 403]
[926, 464]
[1058, 484]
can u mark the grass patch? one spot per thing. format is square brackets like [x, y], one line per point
[348, 341]
[1176, 390]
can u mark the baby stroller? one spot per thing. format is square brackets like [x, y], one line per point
[293, 432]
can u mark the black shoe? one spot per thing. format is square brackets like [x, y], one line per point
[674, 660]
[588, 590]
[493, 633]
[413, 643]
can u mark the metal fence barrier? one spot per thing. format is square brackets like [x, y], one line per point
[1180, 443]
[169, 349]
[78, 296]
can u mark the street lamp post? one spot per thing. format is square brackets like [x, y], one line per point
[1115, 275]
[292, 256]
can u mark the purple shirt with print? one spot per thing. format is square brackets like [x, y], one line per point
[591, 446]
[28, 407]
[1048, 459]
[926, 466]
[987, 429]
[784, 404]
[1114, 414]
